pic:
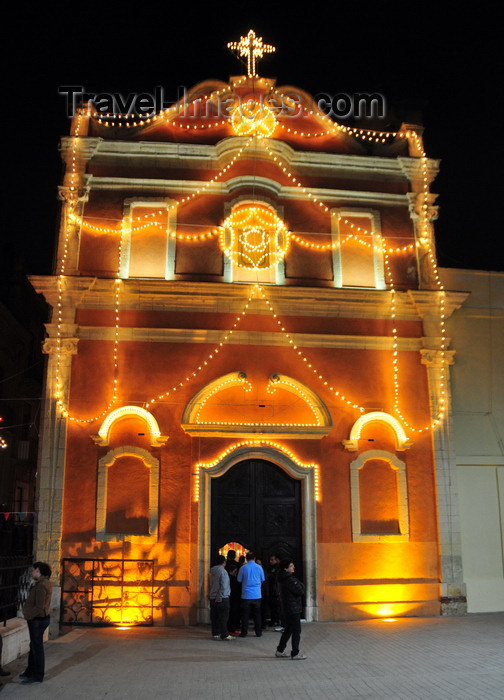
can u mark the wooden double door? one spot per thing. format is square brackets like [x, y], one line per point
[258, 505]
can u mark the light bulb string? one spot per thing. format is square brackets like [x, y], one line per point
[211, 355]
[71, 218]
[172, 115]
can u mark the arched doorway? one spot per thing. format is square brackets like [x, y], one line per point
[305, 475]
[258, 504]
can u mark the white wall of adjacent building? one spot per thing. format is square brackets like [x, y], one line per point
[477, 382]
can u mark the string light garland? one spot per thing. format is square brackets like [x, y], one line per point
[239, 380]
[261, 118]
[293, 179]
[257, 443]
[295, 389]
[300, 354]
[219, 231]
[210, 356]
[252, 248]
[71, 219]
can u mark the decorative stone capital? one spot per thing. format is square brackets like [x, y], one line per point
[416, 203]
[73, 195]
[437, 358]
[64, 346]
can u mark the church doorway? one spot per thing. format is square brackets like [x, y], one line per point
[257, 504]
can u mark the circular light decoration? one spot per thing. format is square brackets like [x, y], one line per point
[251, 117]
[254, 237]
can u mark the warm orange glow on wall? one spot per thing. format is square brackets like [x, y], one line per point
[386, 610]
[221, 407]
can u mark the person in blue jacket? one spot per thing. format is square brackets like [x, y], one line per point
[251, 576]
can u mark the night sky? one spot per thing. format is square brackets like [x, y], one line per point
[435, 64]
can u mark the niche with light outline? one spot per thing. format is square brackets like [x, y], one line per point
[103, 437]
[401, 441]
[209, 411]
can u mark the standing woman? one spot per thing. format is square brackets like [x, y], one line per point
[36, 613]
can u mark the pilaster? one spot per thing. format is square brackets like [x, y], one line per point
[453, 588]
[70, 231]
[51, 465]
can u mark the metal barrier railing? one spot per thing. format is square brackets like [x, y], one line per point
[107, 592]
[15, 580]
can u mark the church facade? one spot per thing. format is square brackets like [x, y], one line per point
[247, 349]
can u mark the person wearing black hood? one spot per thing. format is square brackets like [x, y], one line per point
[291, 592]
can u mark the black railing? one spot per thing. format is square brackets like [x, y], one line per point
[15, 580]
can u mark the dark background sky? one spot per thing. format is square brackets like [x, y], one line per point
[437, 64]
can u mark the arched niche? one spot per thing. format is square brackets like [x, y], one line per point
[399, 467]
[103, 437]
[104, 463]
[401, 441]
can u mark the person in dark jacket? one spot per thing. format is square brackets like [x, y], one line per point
[234, 601]
[291, 592]
[273, 590]
[36, 613]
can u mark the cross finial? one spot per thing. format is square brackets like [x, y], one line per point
[253, 48]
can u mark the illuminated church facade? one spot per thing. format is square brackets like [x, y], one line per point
[248, 348]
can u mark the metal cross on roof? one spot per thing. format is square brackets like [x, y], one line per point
[253, 48]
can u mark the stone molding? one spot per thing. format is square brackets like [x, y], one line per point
[207, 156]
[168, 187]
[219, 297]
[277, 339]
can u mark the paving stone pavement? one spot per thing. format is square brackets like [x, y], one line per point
[444, 658]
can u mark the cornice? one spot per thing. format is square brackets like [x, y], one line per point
[86, 147]
[162, 154]
[185, 187]
[414, 169]
[251, 431]
[272, 339]
[221, 297]
[426, 301]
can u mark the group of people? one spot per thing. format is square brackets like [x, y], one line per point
[236, 592]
